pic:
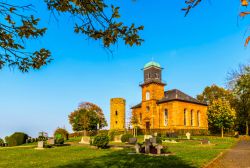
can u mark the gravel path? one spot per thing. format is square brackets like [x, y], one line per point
[237, 157]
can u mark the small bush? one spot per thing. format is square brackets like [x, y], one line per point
[113, 133]
[59, 139]
[42, 138]
[101, 141]
[18, 138]
[158, 140]
[63, 132]
[126, 137]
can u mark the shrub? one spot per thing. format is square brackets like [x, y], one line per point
[158, 140]
[101, 141]
[64, 133]
[112, 134]
[59, 139]
[42, 138]
[18, 138]
[125, 137]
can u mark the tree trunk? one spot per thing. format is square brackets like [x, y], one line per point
[84, 133]
[222, 133]
[247, 129]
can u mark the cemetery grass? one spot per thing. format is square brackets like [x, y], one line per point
[187, 154]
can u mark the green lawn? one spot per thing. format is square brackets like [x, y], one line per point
[187, 154]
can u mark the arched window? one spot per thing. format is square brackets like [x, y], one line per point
[147, 95]
[116, 122]
[140, 117]
[116, 113]
[147, 108]
[185, 117]
[198, 118]
[166, 117]
[192, 118]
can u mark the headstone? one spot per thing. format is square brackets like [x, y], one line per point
[40, 144]
[132, 140]
[147, 137]
[153, 140]
[155, 134]
[117, 138]
[85, 140]
[147, 146]
[137, 148]
[51, 141]
[205, 142]
[188, 135]
[159, 147]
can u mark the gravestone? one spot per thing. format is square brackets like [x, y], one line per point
[132, 140]
[51, 141]
[147, 146]
[117, 138]
[153, 140]
[137, 148]
[188, 135]
[205, 142]
[159, 147]
[85, 140]
[40, 144]
[155, 134]
[147, 137]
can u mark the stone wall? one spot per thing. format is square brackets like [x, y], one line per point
[117, 113]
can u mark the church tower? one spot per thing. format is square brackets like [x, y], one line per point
[117, 113]
[152, 91]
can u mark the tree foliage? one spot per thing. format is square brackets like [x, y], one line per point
[95, 19]
[220, 115]
[214, 92]
[87, 117]
[239, 82]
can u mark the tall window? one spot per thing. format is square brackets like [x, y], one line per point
[198, 118]
[147, 108]
[185, 117]
[147, 95]
[116, 113]
[192, 118]
[166, 117]
[140, 117]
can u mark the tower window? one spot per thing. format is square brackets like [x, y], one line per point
[147, 108]
[116, 113]
[156, 75]
[166, 117]
[147, 95]
[192, 118]
[185, 117]
[116, 122]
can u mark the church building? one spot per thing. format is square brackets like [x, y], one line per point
[171, 109]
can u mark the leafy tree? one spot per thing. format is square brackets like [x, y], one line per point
[63, 132]
[220, 115]
[239, 82]
[95, 19]
[190, 4]
[87, 117]
[134, 122]
[215, 92]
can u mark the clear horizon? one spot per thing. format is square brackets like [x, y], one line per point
[195, 51]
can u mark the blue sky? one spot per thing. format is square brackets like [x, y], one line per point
[195, 51]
